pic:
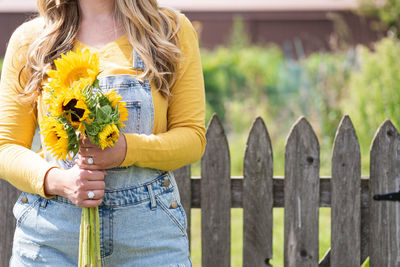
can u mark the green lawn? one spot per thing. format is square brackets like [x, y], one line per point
[237, 236]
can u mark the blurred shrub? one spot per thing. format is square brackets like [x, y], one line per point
[232, 73]
[329, 75]
[238, 83]
[374, 92]
[387, 11]
[245, 82]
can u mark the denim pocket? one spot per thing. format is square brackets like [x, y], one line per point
[24, 205]
[138, 98]
[173, 208]
[134, 112]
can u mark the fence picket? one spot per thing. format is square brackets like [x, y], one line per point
[182, 177]
[385, 215]
[365, 227]
[301, 196]
[346, 190]
[216, 198]
[257, 197]
[8, 196]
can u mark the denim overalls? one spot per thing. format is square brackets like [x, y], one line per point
[142, 222]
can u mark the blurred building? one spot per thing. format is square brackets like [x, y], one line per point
[297, 26]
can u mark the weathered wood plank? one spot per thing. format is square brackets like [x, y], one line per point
[216, 198]
[385, 215]
[346, 187]
[182, 176]
[8, 196]
[257, 197]
[278, 187]
[365, 232]
[301, 196]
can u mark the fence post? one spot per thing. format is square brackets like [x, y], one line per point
[257, 197]
[385, 215]
[216, 198]
[8, 196]
[346, 188]
[182, 176]
[301, 196]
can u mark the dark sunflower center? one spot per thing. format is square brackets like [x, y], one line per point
[110, 136]
[77, 113]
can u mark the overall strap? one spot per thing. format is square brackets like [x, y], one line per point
[137, 61]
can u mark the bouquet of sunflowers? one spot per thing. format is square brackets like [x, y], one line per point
[76, 108]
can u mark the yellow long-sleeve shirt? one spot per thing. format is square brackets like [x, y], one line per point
[178, 131]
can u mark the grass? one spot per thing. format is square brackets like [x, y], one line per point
[237, 236]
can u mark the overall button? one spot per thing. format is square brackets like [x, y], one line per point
[24, 200]
[174, 205]
[166, 183]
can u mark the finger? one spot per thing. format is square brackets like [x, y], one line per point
[84, 195]
[95, 185]
[98, 194]
[91, 167]
[87, 151]
[86, 160]
[93, 175]
[90, 203]
[85, 142]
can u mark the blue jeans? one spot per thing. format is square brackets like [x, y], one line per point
[140, 226]
[142, 222]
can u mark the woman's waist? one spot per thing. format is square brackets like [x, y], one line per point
[135, 192]
[127, 177]
[116, 178]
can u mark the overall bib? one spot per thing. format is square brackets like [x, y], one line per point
[142, 222]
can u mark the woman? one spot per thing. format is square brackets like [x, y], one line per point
[150, 56]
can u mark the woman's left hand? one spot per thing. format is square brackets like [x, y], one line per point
[92, 157]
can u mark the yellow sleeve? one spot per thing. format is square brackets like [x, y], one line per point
[184, 142]
[19, 165]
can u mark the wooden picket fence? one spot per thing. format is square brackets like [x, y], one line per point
[360, 226]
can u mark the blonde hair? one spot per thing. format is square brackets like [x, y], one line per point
[151, 29]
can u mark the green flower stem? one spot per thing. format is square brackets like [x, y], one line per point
[81, 241]
[89, 241]
[85, 242]
[92, 238]
[98, 237]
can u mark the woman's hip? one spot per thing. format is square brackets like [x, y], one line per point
[141, 222]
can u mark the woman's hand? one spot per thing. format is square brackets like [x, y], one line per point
[92, 157]
[75, 184]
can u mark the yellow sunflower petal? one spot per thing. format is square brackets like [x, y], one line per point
[55, 137]
[123, 113]
[73, 67]
[113, 97]
[108, 136]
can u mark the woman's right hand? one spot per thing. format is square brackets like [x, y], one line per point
[75, 184]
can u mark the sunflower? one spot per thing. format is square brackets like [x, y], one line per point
[113, 97]
[55, 137]
[73, 67]
[71, 104]
[108, 136]
[115, 100]
[123, 113]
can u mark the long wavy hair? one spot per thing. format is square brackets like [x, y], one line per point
[152, 30]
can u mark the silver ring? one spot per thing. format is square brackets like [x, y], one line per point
[90, 194]
[90, 161]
